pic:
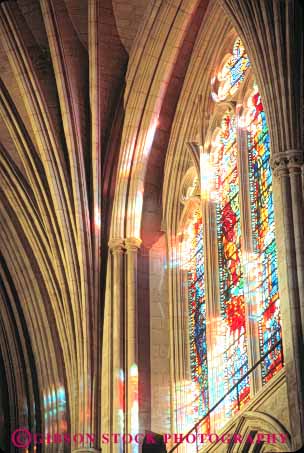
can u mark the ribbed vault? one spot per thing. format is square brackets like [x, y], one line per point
[88, 91]
[59, 90]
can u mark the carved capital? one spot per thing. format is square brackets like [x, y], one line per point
[116, 245]
[287, 162]
[132, 244]
[279, 165]
[295, 159]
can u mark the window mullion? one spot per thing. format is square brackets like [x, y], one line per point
[214, 338]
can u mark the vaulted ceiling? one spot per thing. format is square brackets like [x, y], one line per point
[62, 66]
[63, 69]
[88, 87]
[117, 30]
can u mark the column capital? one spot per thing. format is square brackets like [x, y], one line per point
[284, 162]
[116, 245]
[132, 244]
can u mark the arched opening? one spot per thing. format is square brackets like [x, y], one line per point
[225, 247]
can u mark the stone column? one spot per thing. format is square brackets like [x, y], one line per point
[117, 342]
[287, 168]
[131, 347]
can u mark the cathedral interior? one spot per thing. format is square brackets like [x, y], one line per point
[151, 225]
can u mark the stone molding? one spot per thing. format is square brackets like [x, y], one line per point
[132, 244]
[194, 150]
[283, 162]
[121, 245]
[116, 245]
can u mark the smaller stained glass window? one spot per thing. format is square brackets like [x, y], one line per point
[230, 76]
[197, 311]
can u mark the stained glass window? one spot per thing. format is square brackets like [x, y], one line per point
[235, 170]
[231, 75]
[232, 299]
[197, 313]
[263, 228]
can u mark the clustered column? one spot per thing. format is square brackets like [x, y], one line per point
[116, 355]
[123, 393]
[131, 325]
[287, 167]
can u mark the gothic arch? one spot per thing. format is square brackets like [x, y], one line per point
[190, 124]
[252, 423]
[87, 100]
[143, 108]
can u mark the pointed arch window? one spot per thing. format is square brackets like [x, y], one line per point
[263, 234]
[232, 273]
[194, 265]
